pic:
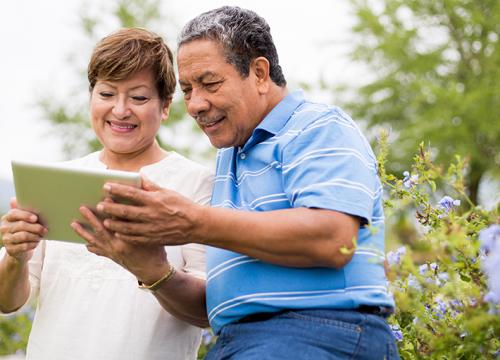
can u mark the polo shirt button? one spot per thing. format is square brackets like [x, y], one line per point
[243, 156]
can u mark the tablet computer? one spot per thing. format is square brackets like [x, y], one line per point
[55, 191]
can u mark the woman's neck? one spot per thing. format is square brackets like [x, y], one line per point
[132, 161]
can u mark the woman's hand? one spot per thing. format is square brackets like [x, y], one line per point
[147, 263]
[21, 232]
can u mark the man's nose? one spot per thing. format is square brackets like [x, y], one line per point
[121, 109]
[197, 103]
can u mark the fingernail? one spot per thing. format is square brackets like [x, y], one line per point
[107, 187]
[33, 218]
[100, 207]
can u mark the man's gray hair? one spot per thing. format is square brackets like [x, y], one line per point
[243, 34]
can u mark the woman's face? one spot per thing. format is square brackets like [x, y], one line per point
[127, 114]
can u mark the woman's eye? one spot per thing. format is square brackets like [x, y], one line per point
[139, 98]
[105, 94]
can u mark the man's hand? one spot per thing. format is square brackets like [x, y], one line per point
[159, 216]
[148, 263]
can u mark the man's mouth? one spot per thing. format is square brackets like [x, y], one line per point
[211, 123]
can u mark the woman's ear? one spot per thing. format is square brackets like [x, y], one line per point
[165, 109]
[260, 67]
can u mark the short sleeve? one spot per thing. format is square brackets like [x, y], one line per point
[330, 165]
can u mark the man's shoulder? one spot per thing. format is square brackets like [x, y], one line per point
[310, 114]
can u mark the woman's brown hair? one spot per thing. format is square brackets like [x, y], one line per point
[128, 51]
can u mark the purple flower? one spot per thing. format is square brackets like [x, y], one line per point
[440, 308]
[409, 181]
[422, 269]
[447, 203]
[413, 282]
[491, 262]
[394, 257]
[442, 278]
[206, 337]
[398, 334]
[489, 237]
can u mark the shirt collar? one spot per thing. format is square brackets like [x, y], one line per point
[277, 118]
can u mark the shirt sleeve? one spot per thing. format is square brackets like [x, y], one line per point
[35, 272]
[330, 165]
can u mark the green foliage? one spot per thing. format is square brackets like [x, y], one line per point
[435, 67]
[437, 282]
[14, 332]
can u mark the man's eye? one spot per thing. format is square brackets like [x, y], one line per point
[213, 86]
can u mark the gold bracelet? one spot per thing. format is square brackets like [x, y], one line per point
[156, 285]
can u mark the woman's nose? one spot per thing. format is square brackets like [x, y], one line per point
[121, 109]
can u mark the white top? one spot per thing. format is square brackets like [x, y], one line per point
[90, 308]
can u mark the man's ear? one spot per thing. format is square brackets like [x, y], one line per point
[260, 67]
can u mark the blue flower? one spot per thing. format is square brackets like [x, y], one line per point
[489, 237]
[490, 242]
[398, 334]
[442, 278]
[447, 203]
[422, 269]
[413, 282]
[440, 308]
[206, 337]
[394, 257]
[409, 181]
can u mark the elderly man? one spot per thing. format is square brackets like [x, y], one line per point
[295, 233]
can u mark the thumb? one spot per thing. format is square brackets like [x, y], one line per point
[13, 203]
[148, 185]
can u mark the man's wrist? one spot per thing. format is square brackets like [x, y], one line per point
[201, 219]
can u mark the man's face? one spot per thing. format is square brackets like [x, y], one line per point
[225, 105]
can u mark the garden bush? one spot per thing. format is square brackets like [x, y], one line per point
[443, 266]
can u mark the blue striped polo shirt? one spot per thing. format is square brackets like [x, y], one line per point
[302, 154]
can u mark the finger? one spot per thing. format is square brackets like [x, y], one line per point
[95, 250]
[84, 234]
[148, 185]
[127, 192]
[21, 237]
[122, 211]
[100, 232]
[20, 248]
[13, 203]
[20, 226]
[20, 215]
[129, 228]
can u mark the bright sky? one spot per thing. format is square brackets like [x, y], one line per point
[38, 36]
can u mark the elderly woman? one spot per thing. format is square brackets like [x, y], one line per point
[90, 307]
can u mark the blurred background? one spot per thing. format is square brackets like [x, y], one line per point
[425, 71]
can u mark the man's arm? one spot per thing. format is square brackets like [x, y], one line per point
[183, 295]
[298, 237]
